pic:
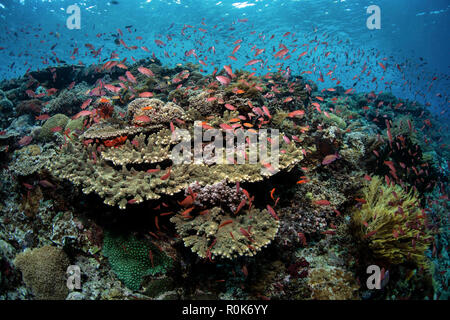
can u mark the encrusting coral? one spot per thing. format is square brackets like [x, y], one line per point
[47, 130]
[131, 259]
[44, 271]
[392, 224]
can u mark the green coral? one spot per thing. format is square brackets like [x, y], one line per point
[58, 120]
[131, 259]
[391, 224]
[75, 125]
[333, 119]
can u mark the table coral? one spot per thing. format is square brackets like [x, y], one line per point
[224, 234]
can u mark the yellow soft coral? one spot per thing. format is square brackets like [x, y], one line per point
[392, 224]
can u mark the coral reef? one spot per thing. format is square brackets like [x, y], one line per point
[218, 194]
[58, 121]
[391, 223]
[145, 111]
[132, 259]
[332, 284]
[306, 229]
[217, 233]
[44, 271]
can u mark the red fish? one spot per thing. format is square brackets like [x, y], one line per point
[146, 72]
[130, 77]
[371, 233]
[240, 206]
[390, 164]
[229, 71]
[82, 114]
[230, 107]
[225, 223]
[329, 159]
[272, 212]
[167, 175]
[322, 202]
[142, 118]
[25, 141]
[42, 117]
[112, 88]
[252, 62]
[296, 113]
[145, 94]
[86, 104]
[56, 129]
[46, 184]
[223, 80]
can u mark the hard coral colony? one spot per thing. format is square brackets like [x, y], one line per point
[89, 176]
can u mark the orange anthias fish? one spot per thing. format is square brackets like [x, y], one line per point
[329, 159]
[145, 95]
[229, 71]
[146, 72]
[130, 77]
[322, 202]
[296, 113]
[272, 212]
[142, 118]
[223, 80]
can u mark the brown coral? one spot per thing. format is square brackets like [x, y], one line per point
[43, 270]
[332, 283]
[225, 235]
[154, 111]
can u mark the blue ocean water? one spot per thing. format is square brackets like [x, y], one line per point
[412, 42]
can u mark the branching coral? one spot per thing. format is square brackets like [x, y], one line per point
[391, 223]
[30, 160]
